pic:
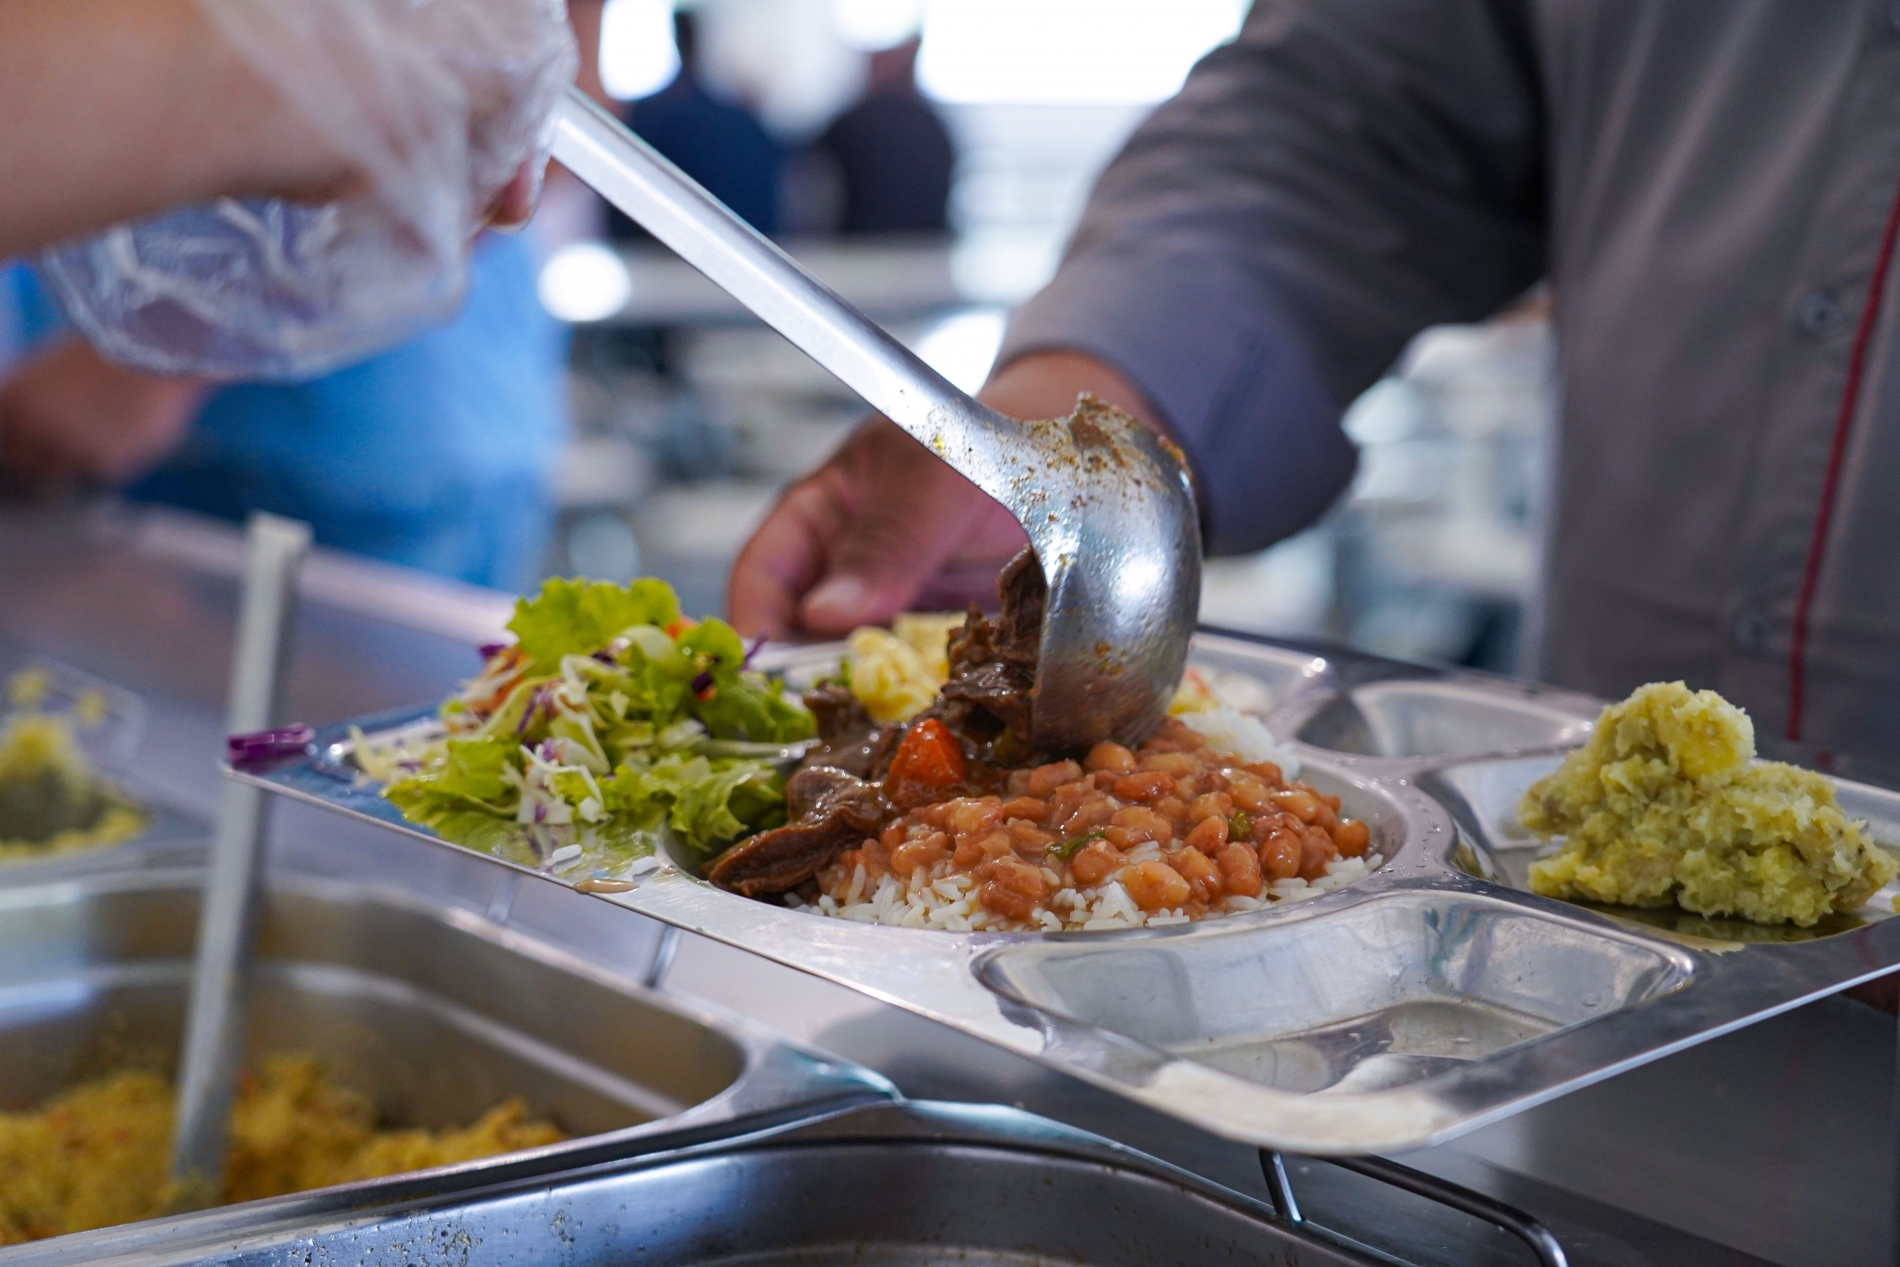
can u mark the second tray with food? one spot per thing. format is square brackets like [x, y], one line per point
[1318, 948]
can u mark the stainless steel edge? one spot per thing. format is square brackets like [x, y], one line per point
[677, 1205]
[137, 949]
[1552, 996]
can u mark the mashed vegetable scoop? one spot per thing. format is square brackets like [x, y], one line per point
[1104, 500]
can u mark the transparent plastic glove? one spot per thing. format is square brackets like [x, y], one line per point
[439, 104]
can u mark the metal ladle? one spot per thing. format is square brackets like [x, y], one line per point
[1105, 501]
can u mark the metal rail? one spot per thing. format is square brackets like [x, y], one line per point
[1490, 1210]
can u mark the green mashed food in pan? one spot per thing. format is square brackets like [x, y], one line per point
[1666, 804]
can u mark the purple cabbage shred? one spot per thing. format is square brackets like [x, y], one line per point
[263, 747]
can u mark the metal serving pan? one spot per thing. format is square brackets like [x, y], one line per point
[882, 1186]
[434, 1015]
[1432, 997]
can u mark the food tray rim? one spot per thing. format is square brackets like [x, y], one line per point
[1725, 987]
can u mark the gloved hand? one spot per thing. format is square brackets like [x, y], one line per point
[438, 104]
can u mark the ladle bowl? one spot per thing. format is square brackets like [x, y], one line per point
[1105, 502]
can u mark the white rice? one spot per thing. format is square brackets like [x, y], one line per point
[1227, 729]
[934, 898]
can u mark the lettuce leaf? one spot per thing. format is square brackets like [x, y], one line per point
[580, 617]
[464, 799]
[708, 801]
[751, 707]
[572, 715]
[737, 704]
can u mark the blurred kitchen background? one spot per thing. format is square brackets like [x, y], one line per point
[690, 417]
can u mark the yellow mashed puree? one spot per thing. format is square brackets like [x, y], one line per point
[1666, 804]
[97, 1154]
[51, 801]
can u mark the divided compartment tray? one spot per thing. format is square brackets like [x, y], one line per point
[434, 1015]
[1429, 998]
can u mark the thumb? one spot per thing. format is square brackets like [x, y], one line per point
[889, 551]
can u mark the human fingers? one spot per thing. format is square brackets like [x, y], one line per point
[514, 205]
[906, 515]
[784, 556]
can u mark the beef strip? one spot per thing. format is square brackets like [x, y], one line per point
[830, 811]
[986, 702]
[848, 738]
[835, 800]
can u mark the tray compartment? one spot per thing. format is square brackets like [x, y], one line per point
[1439, 718]
[1380, 994]
[1482, 797]
[913, 1186]
[434, 1015]
[1253, 676]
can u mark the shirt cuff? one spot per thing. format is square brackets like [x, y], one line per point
[1202, 344]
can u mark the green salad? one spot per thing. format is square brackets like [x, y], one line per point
[608, 720]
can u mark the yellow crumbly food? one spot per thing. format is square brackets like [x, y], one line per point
[1666, 804]
[51, 800]
[96, 1155]
[896, 672]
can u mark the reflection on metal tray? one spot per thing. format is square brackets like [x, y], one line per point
[1427, 718]
[899, 1186]
[1431, 997]
[434, 1016]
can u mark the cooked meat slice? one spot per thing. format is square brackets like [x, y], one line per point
[848, 739]
[1024, 592]
[840, 715]
[986, 702]
[818, 791]
[832, 811]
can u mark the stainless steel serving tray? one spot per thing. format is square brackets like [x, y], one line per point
[1428, 999]
[435, 1015]
[887, 1186]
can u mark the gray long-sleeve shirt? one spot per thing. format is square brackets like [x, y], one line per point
[1711, 190]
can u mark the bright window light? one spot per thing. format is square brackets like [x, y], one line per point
[963, 346]
[873, 24]
[1068, 52]
[637, 54]
[584, 282]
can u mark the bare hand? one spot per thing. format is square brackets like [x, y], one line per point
[885, 525]
[70, 418]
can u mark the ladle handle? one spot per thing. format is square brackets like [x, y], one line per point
[674, 208]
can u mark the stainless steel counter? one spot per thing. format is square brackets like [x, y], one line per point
[1776, 1141]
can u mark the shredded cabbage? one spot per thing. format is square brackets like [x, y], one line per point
[588, 730]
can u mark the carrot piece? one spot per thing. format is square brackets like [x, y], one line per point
[927, 763]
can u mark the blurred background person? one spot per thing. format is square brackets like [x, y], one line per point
[715, 140]
[893, 155]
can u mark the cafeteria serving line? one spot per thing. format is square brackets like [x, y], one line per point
[1620, 1172]
[1067, 928]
